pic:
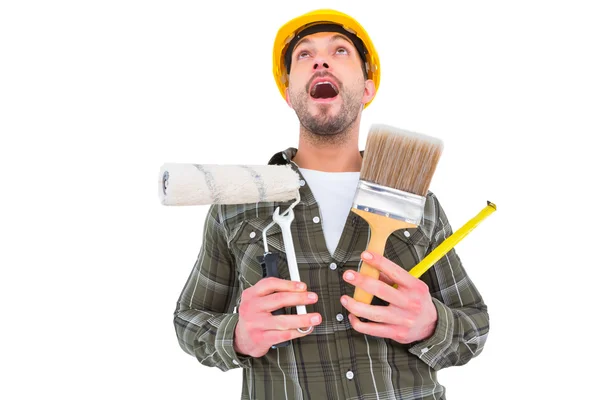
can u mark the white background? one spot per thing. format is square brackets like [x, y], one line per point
[96, 96]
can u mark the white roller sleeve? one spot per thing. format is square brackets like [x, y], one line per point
[181, 184]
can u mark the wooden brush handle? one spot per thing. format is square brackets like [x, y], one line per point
[377, 246]
[381, 228]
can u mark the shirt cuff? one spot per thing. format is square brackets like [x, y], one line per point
[224, 344]
[432, 349]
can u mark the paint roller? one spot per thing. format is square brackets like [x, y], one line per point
[185, 184]
[182, 184]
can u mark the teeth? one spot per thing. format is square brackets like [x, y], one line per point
[327, 83]
[314, 89]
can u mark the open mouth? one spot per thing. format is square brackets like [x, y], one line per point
[324, 90]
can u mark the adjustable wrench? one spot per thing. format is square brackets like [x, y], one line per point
[285, 221]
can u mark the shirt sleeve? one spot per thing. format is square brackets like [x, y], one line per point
[204, 318]
[463, 321]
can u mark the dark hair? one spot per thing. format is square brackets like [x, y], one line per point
[324, 27]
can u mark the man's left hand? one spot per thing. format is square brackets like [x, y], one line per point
[410, 316]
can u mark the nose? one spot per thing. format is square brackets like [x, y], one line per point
[320, 64]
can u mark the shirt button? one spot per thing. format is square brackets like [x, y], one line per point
[333, 266]
[339, 317]
[406, 233]
[252, 235]
[349, 374]
[302, 182]
[235, 362]
[316, 220]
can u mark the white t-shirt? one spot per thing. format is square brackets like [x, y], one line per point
[334, 192]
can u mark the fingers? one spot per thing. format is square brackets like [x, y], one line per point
[386, 279]
[278, 300]
[255, 336]
[377, 288]
[373, 313]
[285, 327]
[393, 271]
[290, 322]
[270, 285]
[380, 330]
[276, 337]
[257, 329]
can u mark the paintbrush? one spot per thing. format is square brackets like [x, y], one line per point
[396, 171]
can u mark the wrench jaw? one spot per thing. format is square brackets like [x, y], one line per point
[283, 219]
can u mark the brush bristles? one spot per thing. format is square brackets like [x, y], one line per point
[400, 159]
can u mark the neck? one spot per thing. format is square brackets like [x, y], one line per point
[337, 153]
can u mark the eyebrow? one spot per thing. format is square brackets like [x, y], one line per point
[332, 39]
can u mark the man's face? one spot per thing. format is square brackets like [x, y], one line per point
[327, 87]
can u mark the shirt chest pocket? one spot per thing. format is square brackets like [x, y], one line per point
[408, 246]
[247, 246]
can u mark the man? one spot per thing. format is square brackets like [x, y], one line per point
[327, 69]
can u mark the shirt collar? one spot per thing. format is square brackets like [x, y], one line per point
[285, 157]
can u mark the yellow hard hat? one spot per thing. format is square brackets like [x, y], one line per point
[291, 29]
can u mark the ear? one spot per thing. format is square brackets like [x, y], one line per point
[287, 97]
[369, 91]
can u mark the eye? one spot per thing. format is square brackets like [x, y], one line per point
[341, 50]
[302, 54]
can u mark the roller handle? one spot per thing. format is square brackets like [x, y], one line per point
[268, 262]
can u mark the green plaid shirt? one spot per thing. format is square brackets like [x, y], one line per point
[334, 361]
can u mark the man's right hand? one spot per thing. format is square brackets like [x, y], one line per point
[257, 329]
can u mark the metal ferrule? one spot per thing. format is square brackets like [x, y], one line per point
[389, 202]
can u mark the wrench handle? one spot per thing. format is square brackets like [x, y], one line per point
[290, 253]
